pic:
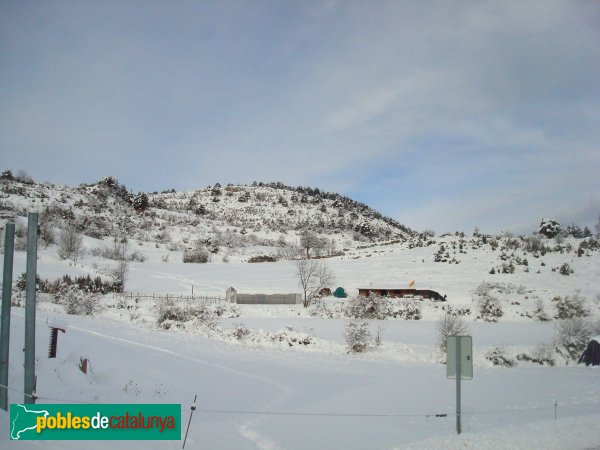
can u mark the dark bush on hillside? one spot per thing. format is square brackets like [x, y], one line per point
[262, 258]
[570, 306]
[565, 269]
[549, 228]
[498, 356]
[199, 254]
[543, 355]
[82, 283]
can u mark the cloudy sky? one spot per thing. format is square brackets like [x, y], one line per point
[444, 115]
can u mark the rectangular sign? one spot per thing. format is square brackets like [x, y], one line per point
[95, 422]
[466, 356]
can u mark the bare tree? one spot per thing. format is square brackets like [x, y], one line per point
[120, 273]
[450, 325]
[69, 243]
[309, 240]
[119, 252]
[313, 276]
[289, 253]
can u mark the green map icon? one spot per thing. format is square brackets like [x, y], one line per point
[24, 419]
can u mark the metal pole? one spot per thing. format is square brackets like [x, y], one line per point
[190, 421]
[458, 377]
[29, 384]
[9, 249]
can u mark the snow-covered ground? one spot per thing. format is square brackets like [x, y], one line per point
[260, 393]
[314, 399]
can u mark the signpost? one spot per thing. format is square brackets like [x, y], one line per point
[459, 365]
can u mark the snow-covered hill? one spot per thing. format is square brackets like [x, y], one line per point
[232, 222]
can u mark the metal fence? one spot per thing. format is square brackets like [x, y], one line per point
[268, 299]
[166, 297]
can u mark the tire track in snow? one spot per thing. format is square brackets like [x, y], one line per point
[246, 430]
[270, 381]
[183, 281]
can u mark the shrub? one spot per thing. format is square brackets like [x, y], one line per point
[47, 233]
[572, 336]
[490, 309]
[540, 312]
[549, 228]
[77, 301]
[450, 325]
[320, 309]
[543, 355]
[565, 269]
[69, 242]
[240, 331]
[291, 337]
[173, 313]
[570, 306]
[372, 307]
[41, 285]
[408, 310]
[498, 356]
[456, 311]
[137, 256]
[180, 314]
[196, 255]
[226, 310]
[533, 243]
[357, 335]
[83, 283]
[262, 258]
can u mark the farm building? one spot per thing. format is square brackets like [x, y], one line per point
[232, 296]
[401, 292]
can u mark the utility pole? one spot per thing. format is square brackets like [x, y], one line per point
[9, 249]
[29, 384]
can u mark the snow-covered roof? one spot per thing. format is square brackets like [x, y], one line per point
[388, 288]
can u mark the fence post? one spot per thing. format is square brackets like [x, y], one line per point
[9, 248]
[30, 287]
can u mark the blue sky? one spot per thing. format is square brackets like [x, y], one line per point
[442, 114]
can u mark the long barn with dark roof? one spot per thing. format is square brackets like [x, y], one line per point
[393, 292]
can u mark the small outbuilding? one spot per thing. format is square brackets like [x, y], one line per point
[591, 355]
[231, 295]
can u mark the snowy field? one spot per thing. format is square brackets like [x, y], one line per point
[259, 394]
